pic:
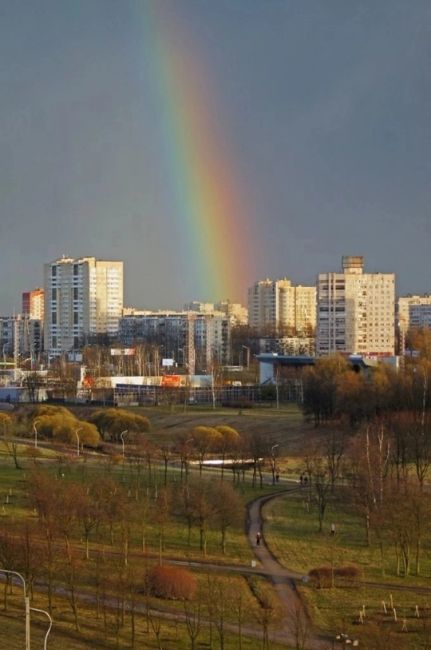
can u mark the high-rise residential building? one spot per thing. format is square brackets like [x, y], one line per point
[407, 305]
[193, 340]
[237, 313]
[33, 303]
[83, 298]
[277, 306]
[420, 316]
[356, 311]
[20, 336]
[199, 307]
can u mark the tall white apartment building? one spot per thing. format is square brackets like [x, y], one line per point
[356, 311]
[278, 306]
[83, 297]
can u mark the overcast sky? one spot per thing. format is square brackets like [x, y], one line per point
[325, 105]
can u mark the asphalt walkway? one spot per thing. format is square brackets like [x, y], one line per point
[296, 622]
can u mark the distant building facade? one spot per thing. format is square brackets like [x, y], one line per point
[235, 311]
[279, 307]
[33, 303]
[194, 340]
[420, 316]
[21, 336]
[412, 311]
[83, 298]
[356, 311]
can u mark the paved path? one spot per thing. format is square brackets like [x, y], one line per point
[284, 581]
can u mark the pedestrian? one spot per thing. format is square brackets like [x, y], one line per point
[332, 529]
[305, 480]
[277, 477]
[258, 536]
[301, 479]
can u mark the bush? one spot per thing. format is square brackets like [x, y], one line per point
[172, 582]
[324, 577]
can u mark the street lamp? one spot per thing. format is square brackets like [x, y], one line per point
[245, 347]
[42, 611]
[122, 434]
[26, 605]
[77, 440]
[35, 432]
[273, 462]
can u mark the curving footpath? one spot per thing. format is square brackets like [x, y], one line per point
[283, 579]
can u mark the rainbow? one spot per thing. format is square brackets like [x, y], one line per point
[208, 191]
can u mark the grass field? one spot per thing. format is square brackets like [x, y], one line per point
[292, 532]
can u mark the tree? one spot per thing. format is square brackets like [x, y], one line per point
[112, 422]
[203, 509]
[205, 440]
[320, 484]
[60, 424]
[320, 387]
[354, 397]
[9, 443]
[228, 509]
[228, 443]
[333, 449]
[160, 516]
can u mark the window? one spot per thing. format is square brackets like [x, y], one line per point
[54, 318]
[54, 294]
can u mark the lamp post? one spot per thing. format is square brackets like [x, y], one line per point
[26, 605]
[77, 440]
[42, 611]
[122, 434]
[35, 432]
[273, 462]
[245, 347]
[186, 458]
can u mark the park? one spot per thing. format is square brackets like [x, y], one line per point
[136, 527]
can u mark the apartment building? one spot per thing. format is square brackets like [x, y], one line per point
[237, 313]
[20, 336]
[356, 311]
[277, 306]
[420, 316]
[83, 298]
[33, 303]
[194, 340]
[412, 304]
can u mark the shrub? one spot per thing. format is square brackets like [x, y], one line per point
[324, 577]
[321, 577]
[172, 582]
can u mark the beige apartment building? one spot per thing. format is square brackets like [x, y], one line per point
[413, 311]
[83, 297]
[407, 305]
[355, 311]
[33, 304]
[278, 306]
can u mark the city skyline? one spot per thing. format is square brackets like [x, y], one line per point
[209, 145]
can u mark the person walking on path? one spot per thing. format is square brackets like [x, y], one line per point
[258, 537]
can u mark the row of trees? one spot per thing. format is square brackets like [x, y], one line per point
[106, 429]
[333, 389]
[383, 469]
[90, 532]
